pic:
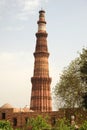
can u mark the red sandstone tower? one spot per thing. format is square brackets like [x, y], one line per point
[40, 96]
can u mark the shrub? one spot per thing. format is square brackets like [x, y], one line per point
[63, 124]
[84, 126]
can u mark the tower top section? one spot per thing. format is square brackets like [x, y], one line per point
[41, 22]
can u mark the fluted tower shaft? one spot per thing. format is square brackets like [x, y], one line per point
[41, 93]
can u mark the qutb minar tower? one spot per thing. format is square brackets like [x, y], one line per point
[41, 93]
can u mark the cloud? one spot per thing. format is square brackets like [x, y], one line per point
[2, 7]
[2, 3]
[19, 9]
[14, 12]
[28, 7]
[13, 28]
[31, 4]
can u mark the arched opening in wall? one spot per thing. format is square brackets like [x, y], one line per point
[53, 120]
[3, 116]
[26, 120]
[14, 121]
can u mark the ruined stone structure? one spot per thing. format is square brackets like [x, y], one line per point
[41, 97]
[19, 116]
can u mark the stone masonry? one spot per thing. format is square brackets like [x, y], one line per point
[41, 96]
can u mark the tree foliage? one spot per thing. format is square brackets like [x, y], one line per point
[71, 90]
[83, 126]
[5, 125]
[83, 72]
[38, 123]
[63, 124]
[83, 65]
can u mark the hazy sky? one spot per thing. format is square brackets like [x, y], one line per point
[67, 34]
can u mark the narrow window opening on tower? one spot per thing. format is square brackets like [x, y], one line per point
[14, 121]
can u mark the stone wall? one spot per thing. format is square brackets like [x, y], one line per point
[19, 119]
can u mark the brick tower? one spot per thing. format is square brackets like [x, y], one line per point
[40, 95]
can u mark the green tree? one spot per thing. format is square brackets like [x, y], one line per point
[84, 126]
[63, 124]
[83, 72]
[5, 125]
[38, 123]
[83, 65]
[69, 89]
